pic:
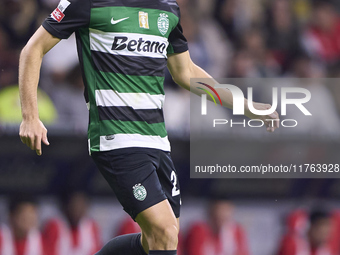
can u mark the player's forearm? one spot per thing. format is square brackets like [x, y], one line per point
[29, 71]
[183, 69]
[197, 72]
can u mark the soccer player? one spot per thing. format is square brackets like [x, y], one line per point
[124, 47]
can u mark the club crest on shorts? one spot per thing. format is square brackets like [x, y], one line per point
[139, 192]
[163, 23]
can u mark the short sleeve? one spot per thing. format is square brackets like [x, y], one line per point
[69, 16]
[177, 41]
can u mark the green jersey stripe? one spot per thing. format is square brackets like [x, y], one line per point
[129, 83]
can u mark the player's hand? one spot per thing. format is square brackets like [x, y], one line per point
[32, 133]
[271, 121]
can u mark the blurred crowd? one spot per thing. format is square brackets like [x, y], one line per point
[313, 231]
[74, 233]
[228, 38]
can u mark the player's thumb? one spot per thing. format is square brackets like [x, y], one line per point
[45, 140]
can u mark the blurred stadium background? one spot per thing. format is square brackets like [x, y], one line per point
[228, 38]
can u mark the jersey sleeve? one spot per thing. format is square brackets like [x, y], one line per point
[69, 16]
[177, 41]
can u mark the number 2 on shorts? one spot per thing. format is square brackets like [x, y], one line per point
[175, 191]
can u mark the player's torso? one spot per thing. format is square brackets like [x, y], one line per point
[125, 56]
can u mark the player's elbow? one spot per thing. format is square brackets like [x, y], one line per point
[31, 52]
[24, 52]
[182, 80]
[35, 48]
[182, 77]
[177, 78]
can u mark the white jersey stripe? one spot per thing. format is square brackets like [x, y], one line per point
[103, 42]
[134, 140]
[137, 101]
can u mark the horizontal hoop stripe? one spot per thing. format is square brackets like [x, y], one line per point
[125, 113]
[109, 98]
[129, 44]
[130, 83]
[134, 140]
[132, 127]
[129, 65]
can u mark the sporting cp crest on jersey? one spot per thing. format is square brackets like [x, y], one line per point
[139, 192]
[143, 20]
[163, 23]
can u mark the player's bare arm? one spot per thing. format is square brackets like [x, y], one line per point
[182, 69]
[32, 130]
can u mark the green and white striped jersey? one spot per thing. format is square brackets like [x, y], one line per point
[123, 47]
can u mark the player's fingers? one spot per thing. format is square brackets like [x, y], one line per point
[268, 125]
[273, 116]
[277, 123]
[30, 141]
[37, 145]
[27, 142]
[44, 138]
[272, 123]
[21, 136]
[23, 139]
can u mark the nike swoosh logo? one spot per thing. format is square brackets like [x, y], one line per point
[114, 22]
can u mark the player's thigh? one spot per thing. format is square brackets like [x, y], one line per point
[132, 175]
[144, 236]
[158, 218]
[167, 212]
